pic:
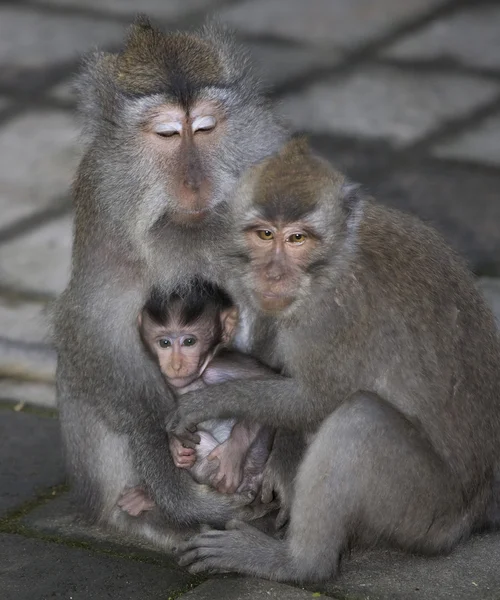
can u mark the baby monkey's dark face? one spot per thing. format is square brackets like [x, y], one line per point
[183, 350]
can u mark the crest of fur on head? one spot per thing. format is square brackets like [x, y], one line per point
[176, 65]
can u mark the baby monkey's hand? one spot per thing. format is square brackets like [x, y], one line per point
[184, 458]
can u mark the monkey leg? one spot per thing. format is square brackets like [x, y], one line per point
[369, 474]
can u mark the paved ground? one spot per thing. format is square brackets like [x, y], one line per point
[403, 95]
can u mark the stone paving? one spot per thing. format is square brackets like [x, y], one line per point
[404, 95]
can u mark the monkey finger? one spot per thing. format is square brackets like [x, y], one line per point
[186, 452]
[282, 518]
[215, 453]
[267, 493]
[188, 439]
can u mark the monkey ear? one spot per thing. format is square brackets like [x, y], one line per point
[229, 321]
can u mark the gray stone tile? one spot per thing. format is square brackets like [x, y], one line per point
[482, 144]
[469, 573]
[470, 37]
[30, 457]
[490, 286]
[276, 63]
[27, 392]
[461, 203]
[24, 361]
[39, 155]
[25, 352]
[30, 39]
[63, 91]
[331, 22]
[239, 588]
[39, 260]
[380, 102]
[33, 569]
[24, 321]
[165, 9]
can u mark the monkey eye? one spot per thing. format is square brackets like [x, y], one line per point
[164, 343]
[265, 234]
[297, 238]
[204, 124]
[168, 129]
[190, 341]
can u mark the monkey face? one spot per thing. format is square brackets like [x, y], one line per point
[182, 142]
[291, 220]
[181, 357]
[279, 257]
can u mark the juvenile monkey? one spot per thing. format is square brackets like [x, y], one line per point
[393, 357]
[171, 121]
[186, 334]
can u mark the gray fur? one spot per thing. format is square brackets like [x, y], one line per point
[112, 398]
[393, 361]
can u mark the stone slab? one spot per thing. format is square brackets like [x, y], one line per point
[469, 37]
[164, 9]
[461, 203]
[481, 144]
[39, 156]
[27, 392]
[24, 321]
[469, 573]
[27, 362]
[32, 569]
[242, 588]
[32, 39]
[30, 457]
[40, 260]
[277, 63]
[328, 22]
[25, 351]
[386, 103]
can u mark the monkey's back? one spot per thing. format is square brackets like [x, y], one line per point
[428, 313]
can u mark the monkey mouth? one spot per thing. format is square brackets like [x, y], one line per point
[191, 216]
[274, 303]
[180, 382]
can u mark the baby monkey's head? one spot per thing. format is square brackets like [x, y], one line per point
[183, 330]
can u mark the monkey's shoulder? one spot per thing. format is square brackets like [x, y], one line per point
[231, 365]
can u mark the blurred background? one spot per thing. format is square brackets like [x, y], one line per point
[403, 95]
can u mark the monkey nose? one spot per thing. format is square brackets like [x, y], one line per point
[274, 276]
[192, 183]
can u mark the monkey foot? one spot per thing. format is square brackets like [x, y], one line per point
[135, 501]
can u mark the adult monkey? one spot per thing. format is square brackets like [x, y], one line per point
[364, 298]
[172, 121]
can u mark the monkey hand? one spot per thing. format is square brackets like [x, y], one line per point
[277, 485]
[184, 458]
[183, 428]
[230, 473]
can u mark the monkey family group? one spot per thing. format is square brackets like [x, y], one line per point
[262, 348]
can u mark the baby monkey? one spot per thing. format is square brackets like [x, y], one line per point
[187, 335]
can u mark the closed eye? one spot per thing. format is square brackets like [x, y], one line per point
[168, 129]
[206, 123]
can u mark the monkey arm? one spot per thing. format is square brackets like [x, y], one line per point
[275, 401]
